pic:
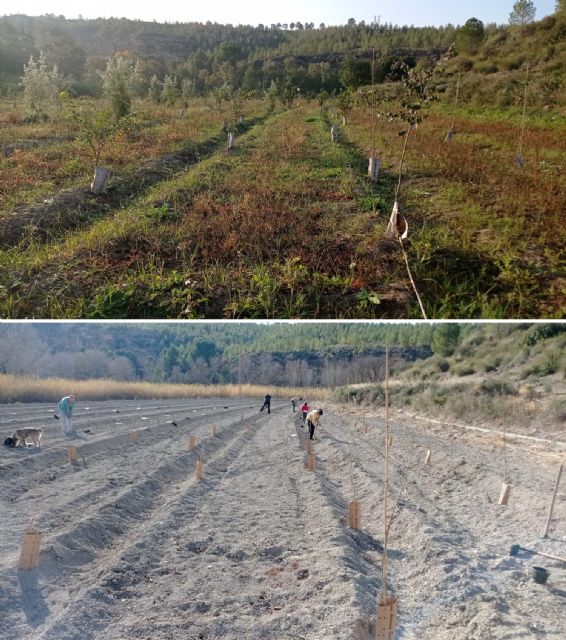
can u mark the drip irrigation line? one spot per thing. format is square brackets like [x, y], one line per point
[411, 278]
[455, 104]
[392, 516]
[522, 136]
[398, 188]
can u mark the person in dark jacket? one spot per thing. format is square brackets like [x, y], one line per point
[266, 403]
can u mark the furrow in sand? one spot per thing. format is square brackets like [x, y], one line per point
[104, 534]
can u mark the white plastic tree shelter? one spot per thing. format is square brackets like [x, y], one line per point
[100, 180]
[334, 133]
[373, 168]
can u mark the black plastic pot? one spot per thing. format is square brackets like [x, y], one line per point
[540, 575]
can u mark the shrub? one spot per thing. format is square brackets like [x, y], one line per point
[464, 370]
[558, 410]
[547, 364]
[497, 388]
[542, 332]
[485, 67]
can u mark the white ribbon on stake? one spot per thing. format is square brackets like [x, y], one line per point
[398, 227]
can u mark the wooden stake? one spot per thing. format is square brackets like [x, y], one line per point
[308, 446]
[133, 437]
[213, 429]
[30, 549]
[72, 453]
[390, 441]
[311, 463]
[427, 458]
[200, 470]
[387, 607]
[355, 514]
[545, 534]
[386, 619]
[192, 442]
[504, 496]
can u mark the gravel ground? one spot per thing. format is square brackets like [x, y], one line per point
[134, 546]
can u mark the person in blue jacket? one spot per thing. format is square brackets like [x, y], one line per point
[66, 406]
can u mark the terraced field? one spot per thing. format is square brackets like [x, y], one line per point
[135, 546]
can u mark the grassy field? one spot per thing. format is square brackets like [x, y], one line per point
[287, 225]
[32, 389]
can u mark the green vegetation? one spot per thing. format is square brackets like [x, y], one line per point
[286, 224]
[299, 55]
[492, 377]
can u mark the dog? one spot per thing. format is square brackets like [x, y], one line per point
[21, 436]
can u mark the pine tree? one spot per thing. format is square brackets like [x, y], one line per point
[445, 338]
[523, 12]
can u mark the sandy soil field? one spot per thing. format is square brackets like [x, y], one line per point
[134, 546]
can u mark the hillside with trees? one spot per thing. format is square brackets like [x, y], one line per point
[210, 353]
[283, 354]
[307, 57]
[499, 375]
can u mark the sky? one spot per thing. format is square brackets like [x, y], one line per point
[400, 12]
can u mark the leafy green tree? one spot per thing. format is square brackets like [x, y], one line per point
[523, 12]
[355, 73]
[41, 86]
[470, 36]
[271, 96]
[187, 88]
[445, 338]
[60, 49]
[97, 128]
[345, 103]
[119, 80]
[170, 92]
[205, 349]
[155, 89]
[221, 94]
[322, 98]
